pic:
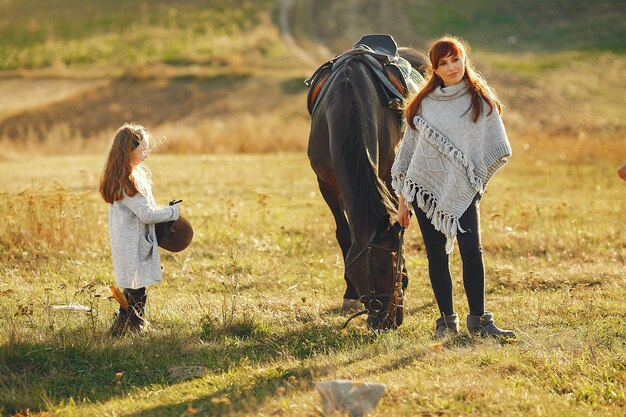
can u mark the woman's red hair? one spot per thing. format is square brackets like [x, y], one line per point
[117, 176]
[479, 89]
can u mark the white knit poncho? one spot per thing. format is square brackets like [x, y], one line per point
[448, 159]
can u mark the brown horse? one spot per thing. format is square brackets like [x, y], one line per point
[351, 148]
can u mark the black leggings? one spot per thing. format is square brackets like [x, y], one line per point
[471, 254]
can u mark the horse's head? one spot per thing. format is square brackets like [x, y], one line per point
[376, 271]
[417, 59]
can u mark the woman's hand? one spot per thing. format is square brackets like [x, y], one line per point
[404, 218]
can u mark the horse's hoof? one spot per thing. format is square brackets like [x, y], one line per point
[351, 305]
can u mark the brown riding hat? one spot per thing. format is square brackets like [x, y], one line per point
[174, 236]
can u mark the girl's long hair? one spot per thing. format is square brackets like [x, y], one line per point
[118, 176]
[479, 89]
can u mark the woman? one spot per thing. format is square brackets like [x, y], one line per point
[453, 144]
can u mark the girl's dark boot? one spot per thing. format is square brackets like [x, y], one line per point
[485, 327]
[130, 318]
[136, 308]
[447, 325]
[119, 326]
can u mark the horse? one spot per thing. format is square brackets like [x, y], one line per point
[351, 148]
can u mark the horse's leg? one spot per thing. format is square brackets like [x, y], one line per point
[333, 199]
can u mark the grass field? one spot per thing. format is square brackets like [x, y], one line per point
[247, 319]
[69, 33]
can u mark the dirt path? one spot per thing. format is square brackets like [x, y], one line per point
[304, 54]
[283, 22]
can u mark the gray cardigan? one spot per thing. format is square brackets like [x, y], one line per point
[134, 247]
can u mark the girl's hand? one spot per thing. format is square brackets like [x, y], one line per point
[404, 217]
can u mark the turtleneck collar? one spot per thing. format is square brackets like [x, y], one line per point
[451, 92]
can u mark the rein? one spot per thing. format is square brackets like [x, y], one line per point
[373, 305]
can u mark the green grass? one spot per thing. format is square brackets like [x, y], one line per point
[70, 33]
[254, 301]
[537, 26]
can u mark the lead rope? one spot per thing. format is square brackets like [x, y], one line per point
[360, 313]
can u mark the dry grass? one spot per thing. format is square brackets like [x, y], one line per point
[263, 110]
[254, 300]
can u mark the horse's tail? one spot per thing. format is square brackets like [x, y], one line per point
[369, 194]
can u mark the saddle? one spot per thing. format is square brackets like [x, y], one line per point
[380, 52]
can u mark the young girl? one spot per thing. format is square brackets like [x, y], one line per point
[126, 185]
[454, 142]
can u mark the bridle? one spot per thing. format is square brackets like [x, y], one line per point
[371, 300]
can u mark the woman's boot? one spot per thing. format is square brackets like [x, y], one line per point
[447, 325]
[484, 326]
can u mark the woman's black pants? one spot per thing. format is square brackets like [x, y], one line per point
[471, 254]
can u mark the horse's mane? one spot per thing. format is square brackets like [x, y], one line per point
[370, 195]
